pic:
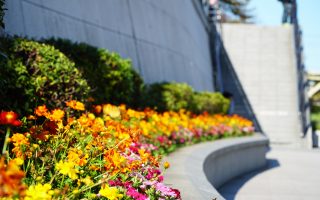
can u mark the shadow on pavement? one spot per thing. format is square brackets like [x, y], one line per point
[229, 190]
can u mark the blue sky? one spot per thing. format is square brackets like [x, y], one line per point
[269, 12]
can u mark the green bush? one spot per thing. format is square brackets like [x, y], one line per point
[111, 77]
[315, 117]
[34, 74]
[168, 96]
[175, 96]
[212, 103]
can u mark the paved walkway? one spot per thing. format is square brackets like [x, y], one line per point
[290, 175]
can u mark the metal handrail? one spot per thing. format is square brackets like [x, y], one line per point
[303, 99]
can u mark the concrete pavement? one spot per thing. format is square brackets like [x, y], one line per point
[291, 174]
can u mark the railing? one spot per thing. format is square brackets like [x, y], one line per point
[302, 82]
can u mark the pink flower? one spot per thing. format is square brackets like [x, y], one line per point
[160, 178]
[182, 140]
[135, 194]
[161, 139]
[149, 182]
[165, 190]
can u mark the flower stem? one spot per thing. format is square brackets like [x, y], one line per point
[6, 141]
[62, 181]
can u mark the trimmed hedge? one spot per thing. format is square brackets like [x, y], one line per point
[111, 77]
[176, 96]
[35, 74]
[315, 117]
[168, 96]
[114, 80]
[210, 102]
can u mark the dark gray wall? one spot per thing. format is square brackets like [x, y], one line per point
[166, 40]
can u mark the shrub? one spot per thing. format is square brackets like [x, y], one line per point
[35, 74]
[315, 117]
[112, 78]
[212, 103]
[168, 96]
[175, 96]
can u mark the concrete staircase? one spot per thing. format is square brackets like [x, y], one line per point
[260, 70]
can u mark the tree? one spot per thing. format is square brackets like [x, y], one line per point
[235, 11]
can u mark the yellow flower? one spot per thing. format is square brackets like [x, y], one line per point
[87, 180]
[166, 165]
[67, 168]
[91, 116]
[56, 115]
[18, 161]
[112, 111]
[111, 193]
[38, 192]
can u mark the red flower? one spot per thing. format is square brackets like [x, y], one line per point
[9, 118]
[50, 126]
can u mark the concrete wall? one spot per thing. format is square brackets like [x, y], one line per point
[166, 40]
[265, 63]
[213, 164]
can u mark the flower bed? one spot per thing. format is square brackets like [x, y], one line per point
[106, 152]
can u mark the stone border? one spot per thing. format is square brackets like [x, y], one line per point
[199, 169]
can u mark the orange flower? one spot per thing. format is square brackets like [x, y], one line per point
[76, 105]
[19, 141]
[97, 109]
[31, 117]
[143, 155]
[94, 167]
[114, 162]
[11, 179]
[41, 111]
[76, 156]
[9, 118]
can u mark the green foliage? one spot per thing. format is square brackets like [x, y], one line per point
[168, 96]
[212, 103]
[315, 117]
[35, 74]
[176, 96]
[112, 78]
[315, 99]
[315, 111]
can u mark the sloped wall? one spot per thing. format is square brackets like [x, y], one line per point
[166, 40]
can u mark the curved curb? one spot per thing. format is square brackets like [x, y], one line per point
[199, 169]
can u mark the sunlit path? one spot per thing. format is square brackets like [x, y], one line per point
[291, 174]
